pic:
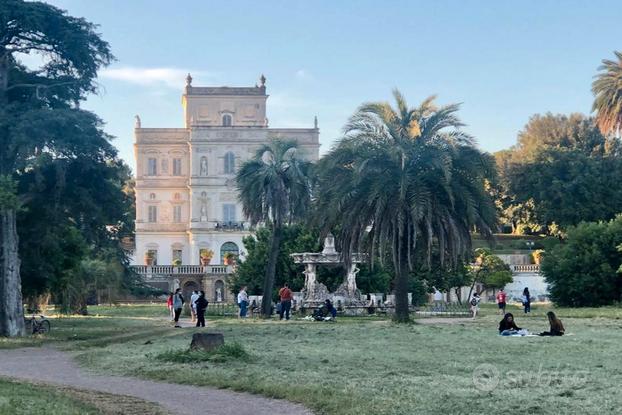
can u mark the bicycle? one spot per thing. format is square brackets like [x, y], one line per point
[41, 326]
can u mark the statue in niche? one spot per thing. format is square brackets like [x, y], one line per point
[203, 167]
[218, 295]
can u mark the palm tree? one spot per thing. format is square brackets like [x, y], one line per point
[274, 188]
[607, 89]
[402, 182]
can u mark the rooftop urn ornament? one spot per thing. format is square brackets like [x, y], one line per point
[262, 80]
[315, 122]
[136, 121]
[188, 80]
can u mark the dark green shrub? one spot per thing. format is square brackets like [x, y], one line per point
[583, 271]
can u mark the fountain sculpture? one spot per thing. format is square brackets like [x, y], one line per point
[314, 293]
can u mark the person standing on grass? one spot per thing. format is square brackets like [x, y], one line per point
[243, 301]
[286, 301]
[169, 305]
[501, 297]
[193, 308]
[178, 304]
[201, 306]
[526, 300]
[475, 304]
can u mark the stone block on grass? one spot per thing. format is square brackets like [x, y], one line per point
[207, 341]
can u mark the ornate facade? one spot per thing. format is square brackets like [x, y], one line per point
[186, 200]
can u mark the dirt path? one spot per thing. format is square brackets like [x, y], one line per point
[56, 367]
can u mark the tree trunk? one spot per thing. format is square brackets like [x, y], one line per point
[402, 309]
[268, 283]
[11, 306]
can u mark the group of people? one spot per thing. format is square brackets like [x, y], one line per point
[525, 300]
[198, 306]
[284, 305]
[508, 327]
[501, 299]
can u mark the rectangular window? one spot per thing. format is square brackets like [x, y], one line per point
[152, 167]
[229, 163]
[152, 257]
[177, 214]
[177, 255]
[153, 214]
[176, 167]
[228, 212]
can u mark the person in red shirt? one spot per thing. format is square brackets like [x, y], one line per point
[169, 305]
[286, 301]
[501, 296]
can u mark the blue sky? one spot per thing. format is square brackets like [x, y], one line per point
[505, 61]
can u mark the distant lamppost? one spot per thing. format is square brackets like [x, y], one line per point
[529, 244]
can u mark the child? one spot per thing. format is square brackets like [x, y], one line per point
[193, 308]
[169, 305]
[475, 304]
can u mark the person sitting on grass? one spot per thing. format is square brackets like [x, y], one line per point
[507, 326]
[326, 312]
[557, 328]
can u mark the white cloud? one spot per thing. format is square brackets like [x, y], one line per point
[303, 74]
[169, 77]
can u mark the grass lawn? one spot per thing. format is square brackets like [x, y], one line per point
[25, 399]
[371, 366]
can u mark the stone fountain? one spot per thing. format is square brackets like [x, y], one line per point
[315, 293]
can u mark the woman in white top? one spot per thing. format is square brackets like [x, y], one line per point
[243, 302]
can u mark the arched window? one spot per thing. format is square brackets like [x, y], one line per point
[228, 248]
[226, 120]
[229, 163]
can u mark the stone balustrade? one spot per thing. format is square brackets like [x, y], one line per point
[533, 268]
[148, 270]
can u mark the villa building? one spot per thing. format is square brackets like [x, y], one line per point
[189, 222]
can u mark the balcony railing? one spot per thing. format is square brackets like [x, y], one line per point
[535, 268]
[181, 269]
[230, 226]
